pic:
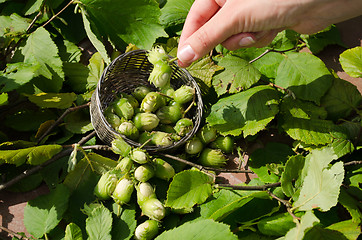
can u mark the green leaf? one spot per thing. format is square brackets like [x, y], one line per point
[73, 232]
[99, 224]
[352, 205]
[41, 50]
[318, 41]
[33, 6]
[78, 122]
[351, 61]
[84, 169]
[3, 99]
[53, 100]
[285, 40]
[13, 24]
[93, 37]
[291, 177]
[76, 76]
[238, 75]
[17, 75]
[69, 52]
[33, 119]
[350, 229]
[341, 99]
[188, 188]
[248, 111]
[276, 225]
[342, 147]
[175, 12]
[125, 225]
[307, 221]
[317, 232]
[301, 121]
[96, 67]
[202, 229]
[305, 75]
[224, 203]
[43, 213]
[268, 64]
[32, 155]
[268, 162]
[137, 21]
[322, 182]
[204, 69]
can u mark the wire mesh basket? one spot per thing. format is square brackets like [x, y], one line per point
[127, 72]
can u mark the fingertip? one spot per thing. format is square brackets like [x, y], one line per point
[186, 55]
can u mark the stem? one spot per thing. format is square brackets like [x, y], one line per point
[85, 155]
[172, 59]
[191, 104]
[260, 56]
[257, 188]
[33, 22]
[13, 233]
[37, 168]
[57, 14]
[352, 163]
[60, 119]
[203, 168]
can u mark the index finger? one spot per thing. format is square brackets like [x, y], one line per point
[200, 12]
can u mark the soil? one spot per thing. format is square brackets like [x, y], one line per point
[12, 204]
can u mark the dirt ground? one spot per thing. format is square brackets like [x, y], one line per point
[12, 204]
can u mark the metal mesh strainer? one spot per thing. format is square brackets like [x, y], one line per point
[124, 74]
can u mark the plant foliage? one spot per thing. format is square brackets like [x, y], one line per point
[298, 125]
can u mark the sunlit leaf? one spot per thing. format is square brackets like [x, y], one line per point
[174, 12]
[123, 21]
[204, 69]
[351, 61]
[305, 75]
[32, 155]
[53, 100]
[351, 230]
[17, 75]
[318, 41]
[41, 50]
[3, 99]
[307, 221]
[322, 182]
[247, 112]
[99, 223]
[188, 188]
[94, 38]
[73, 232]
[202, 229]
[291, 177]
[238, 75]
[43, 213]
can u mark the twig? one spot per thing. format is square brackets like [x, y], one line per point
[257, 188]
[33, 22]
[260, 56]
[352, 163]
[37, 168]
[60, 119]
[14, 234]
[285, 203]
[200, 167]
[57, 14]
[98, 147]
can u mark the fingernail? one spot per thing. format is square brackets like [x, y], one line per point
[246, 41]
[186, 54]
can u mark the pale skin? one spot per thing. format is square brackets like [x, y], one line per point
[254, 23]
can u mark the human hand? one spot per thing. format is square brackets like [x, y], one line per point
[255, 23]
